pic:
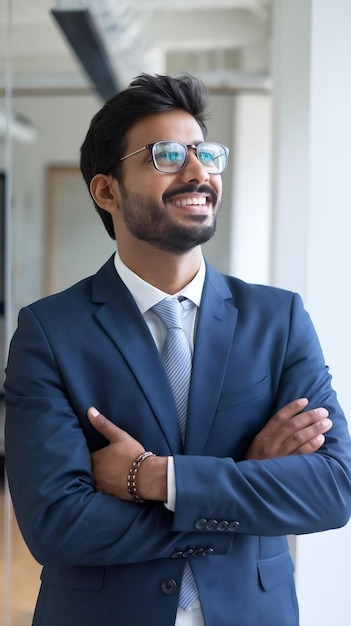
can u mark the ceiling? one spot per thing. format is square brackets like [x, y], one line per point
[226, 42]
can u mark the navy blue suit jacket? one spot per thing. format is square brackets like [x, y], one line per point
[108, 561]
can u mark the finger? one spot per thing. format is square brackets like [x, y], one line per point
[291, 409]
[284, 414]
[296, 425]
[104, 426]
[312, 438]
[294, 434]
[311, 446]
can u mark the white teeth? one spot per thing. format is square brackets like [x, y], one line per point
[190, 201]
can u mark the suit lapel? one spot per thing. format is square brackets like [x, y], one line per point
[213, 343]
[123, 322]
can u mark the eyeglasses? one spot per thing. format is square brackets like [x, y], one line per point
[170, 157]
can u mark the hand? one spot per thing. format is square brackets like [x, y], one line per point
[111, 464]
[289, 431]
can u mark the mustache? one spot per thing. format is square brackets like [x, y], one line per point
[205, 189]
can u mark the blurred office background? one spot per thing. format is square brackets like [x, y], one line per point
[279, 78]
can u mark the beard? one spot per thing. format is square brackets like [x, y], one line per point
[150, 221]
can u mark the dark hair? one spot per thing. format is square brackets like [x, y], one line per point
[104, 144]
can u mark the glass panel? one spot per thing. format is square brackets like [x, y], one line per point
[19, 576]
[5, 156]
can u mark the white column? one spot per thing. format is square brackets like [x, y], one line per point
[251, 215]
[312, 251]
[291, 115]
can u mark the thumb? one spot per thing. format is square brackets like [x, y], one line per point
[104, 426]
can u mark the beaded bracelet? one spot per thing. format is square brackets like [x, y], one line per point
[131, 484]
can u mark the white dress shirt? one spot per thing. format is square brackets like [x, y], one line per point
[146, 296]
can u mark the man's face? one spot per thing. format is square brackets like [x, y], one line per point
[174, 212]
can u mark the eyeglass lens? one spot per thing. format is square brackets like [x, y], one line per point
[171, 156]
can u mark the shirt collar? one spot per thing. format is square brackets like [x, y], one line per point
[146, 295]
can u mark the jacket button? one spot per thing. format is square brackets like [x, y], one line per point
[177, 555]
[200, 524]
[188, 553]
[208, 551]
[168, 586]
[198, 552]
[223, 525]
[211, 524]
[233, 526]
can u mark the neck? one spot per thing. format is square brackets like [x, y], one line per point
[165, 270]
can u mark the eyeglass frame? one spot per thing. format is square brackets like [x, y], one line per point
[150, 146]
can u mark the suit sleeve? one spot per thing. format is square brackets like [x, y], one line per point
[64, 521]
[285, 495]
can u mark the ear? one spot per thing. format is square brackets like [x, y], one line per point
[104, 189]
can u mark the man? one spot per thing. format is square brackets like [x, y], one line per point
[128, 509]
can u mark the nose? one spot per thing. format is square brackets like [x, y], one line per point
[193, 169]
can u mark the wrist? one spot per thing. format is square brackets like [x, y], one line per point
[152, 479]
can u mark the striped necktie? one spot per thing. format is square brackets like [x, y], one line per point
[176, 356]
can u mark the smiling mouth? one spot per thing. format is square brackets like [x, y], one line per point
[190, 201]
[192, 198]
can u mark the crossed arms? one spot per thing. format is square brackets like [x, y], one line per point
[289, 431]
